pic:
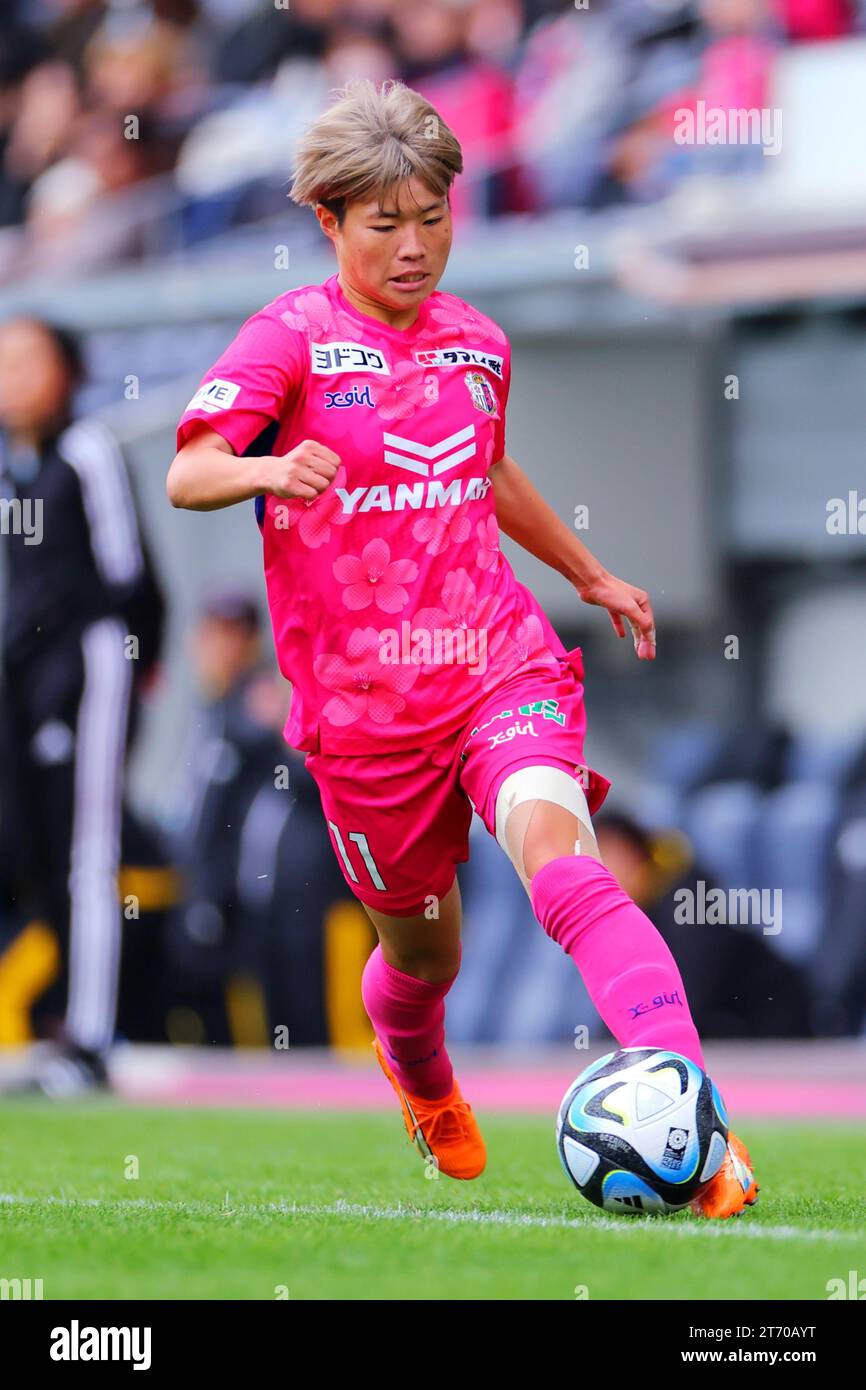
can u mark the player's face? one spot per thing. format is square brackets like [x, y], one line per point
[34, 383]
[395, 257]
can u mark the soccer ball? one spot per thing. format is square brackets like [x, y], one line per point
[642, 1130]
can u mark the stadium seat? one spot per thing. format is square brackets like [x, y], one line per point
[683, 757]
[721, 821]
[792, 852]
[819, 760]
[838, 970]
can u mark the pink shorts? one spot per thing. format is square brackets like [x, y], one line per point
[399, 822]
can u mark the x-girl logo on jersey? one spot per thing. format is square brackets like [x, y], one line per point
[342, 400]
[326, 359]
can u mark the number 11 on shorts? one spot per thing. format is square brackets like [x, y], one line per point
[361, 841]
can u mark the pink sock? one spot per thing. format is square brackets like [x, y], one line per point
[408, 1017]
[627, 968]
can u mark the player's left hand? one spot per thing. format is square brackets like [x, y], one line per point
[623, 600]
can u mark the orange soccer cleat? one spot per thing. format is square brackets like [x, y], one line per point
[444, 1130]
[733, 1188]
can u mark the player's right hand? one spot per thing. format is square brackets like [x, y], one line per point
[304, 472]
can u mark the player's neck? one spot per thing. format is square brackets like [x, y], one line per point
[394, 318]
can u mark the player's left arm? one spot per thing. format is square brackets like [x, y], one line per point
[523, 514]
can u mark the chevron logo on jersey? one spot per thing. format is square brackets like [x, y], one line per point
[447, 453]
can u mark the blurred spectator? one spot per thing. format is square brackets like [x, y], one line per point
[21, 50]
[569, 87]
[258, 867]
[473, 95]
[136, 64]
[494, 29]
[77, 214]
[737, 56]
[234, 749]
[46, 108]
[808, 21]
[72, 25]
[254, 49]
[357, 49]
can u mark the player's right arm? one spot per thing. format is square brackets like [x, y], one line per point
[206, 473]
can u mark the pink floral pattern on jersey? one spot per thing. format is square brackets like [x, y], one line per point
[465, 324]
[404, 394]
[506, 652]
[437, 533]
[461, 611]
[315, 315]
[530, 641]
[365, 686]
[340, 597]
[489, 552]
[313, 516]
[373, 577]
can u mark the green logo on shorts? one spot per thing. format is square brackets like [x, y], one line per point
[547, 708]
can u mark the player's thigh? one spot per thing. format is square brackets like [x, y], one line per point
[522, 765]
[399, 825]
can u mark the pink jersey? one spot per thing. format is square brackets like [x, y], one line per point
[394, 610]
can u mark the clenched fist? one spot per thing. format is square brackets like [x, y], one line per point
[304, 472]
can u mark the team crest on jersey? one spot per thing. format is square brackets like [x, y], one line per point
[326, 359]
[460, 357]
[482, 393]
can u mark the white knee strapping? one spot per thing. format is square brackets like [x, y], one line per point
[540, 783]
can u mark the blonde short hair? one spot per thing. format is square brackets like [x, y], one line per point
[369, 139]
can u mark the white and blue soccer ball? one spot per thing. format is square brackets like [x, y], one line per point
[642, 1131]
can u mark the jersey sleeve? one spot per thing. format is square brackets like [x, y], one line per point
[502, 394]
[250, 383]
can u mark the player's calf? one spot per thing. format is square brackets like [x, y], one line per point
[627, 967]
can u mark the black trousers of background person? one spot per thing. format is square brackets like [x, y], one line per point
[64, 734]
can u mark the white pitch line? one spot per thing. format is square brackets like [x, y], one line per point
[623, 1225]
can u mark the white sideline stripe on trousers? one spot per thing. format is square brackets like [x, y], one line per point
[698, 1227]
[95, 917]
[90, 448]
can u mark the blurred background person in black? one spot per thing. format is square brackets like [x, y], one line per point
[247, 951]
[82, 620]
[737, 985]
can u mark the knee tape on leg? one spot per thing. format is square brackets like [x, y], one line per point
[530, 784]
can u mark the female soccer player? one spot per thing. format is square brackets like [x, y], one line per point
[366, 416]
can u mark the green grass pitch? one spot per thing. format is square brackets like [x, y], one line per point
[315, 1205]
